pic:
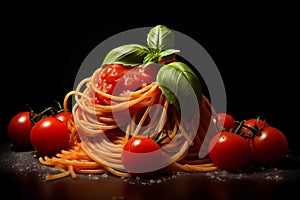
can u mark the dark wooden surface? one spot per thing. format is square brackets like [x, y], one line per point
[22, 176]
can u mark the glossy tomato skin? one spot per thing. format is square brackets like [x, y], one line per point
[141, 155]
[229, 151]
[269, 147]
[49, 136]
[64, 116]
[226, 120]
[260, 124]
[141, 144]
[19, 129]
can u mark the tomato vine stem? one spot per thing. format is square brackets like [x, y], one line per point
[159, 140]
[35, 118]
[254, 131]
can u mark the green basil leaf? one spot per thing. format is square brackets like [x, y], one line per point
[167, 54]
[160, 37]
[131, 54]
[178, 81]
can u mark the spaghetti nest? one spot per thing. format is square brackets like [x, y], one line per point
[102, 130]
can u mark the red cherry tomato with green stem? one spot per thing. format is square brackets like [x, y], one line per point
[49, 136]
[256, 123]
[229, 151]
[141, 154]
[269, 146]
[141, 144]
[253, 123]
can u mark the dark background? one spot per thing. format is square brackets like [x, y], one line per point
[254, 49]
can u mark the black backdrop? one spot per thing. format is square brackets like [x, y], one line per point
[43, 49]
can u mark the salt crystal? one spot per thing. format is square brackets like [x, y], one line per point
[224, 173]
[179, 173]
[240, 176]
[268, 178]
[151, 181]
[104, 175]
[210, 175]
[220, 179]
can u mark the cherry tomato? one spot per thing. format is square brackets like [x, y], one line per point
[19, 129]
[141, 144]
[141, 154]
[253, 123]
[226, 120]
[269, 147]
[116, 78]
[229, 151]
[62, 116]
[49, 136]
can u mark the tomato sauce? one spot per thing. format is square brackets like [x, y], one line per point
[115, 79]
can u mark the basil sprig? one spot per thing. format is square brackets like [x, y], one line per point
[175, 79]
[160, 43]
